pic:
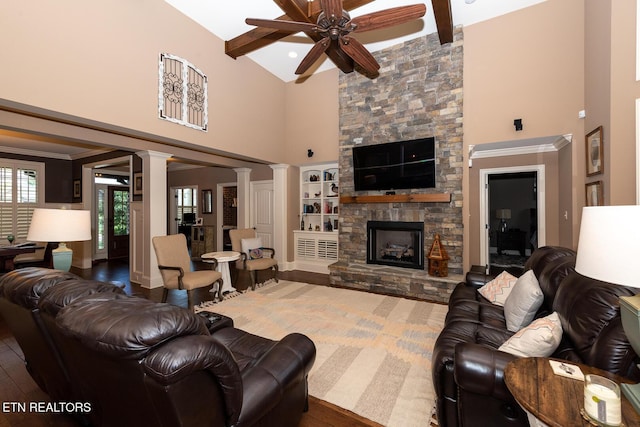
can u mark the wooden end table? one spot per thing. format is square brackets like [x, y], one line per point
[556, 400]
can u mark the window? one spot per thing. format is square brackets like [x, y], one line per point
[186, 203]
[21, 191]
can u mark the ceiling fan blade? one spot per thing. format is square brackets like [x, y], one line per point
[282, 25]
[388, 17]
[313, 55]
[359, 54]
[332, 8]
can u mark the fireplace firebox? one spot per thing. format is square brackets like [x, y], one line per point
[396, 243]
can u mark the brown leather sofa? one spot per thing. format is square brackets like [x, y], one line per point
[132, 361]
[468, 368]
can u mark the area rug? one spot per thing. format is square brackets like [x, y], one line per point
[373, 351]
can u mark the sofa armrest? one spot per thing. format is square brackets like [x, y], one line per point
[478, 277]
[183, 356]
[480, 369]
[288, 361]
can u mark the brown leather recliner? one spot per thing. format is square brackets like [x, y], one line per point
[468, 369]
[143, 363]
[20, 293]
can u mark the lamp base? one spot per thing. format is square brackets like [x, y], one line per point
[632, 393]
[62, 257]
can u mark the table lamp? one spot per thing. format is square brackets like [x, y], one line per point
[503, 215]
[608, 250]
[60, 225]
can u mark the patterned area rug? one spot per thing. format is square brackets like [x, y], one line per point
[373, 351]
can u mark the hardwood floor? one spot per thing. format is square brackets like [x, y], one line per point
[17, 386]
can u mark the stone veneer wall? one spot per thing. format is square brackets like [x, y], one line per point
[417, 94]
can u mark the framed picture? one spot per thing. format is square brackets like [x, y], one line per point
[595, 152]
[137, 183]
[77, 189]
[594, 194]
[207, 201]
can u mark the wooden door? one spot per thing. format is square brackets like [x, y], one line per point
[262, 211]
[118, 224]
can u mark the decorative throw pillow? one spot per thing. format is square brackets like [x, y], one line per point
[523, 302]
[540, 339]
[252, 247]
[497, 290]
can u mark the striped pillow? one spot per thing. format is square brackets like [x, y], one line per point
[540, 339]
[497, 290]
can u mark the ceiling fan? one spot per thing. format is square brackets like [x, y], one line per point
[332, 33]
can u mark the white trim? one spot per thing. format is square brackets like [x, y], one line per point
[514, 148]
[484, 204]
[638, 149]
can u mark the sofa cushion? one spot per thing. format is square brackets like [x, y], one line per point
[523, 302]
[497, 290]
[539, 339]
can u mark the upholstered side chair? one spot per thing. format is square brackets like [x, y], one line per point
[174, 263]
[253, 256]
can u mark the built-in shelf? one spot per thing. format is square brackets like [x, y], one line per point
[399, 198]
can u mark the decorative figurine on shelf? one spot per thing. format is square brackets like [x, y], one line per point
[334, 188]
[438, 259]
[328, 226]
[10, 238]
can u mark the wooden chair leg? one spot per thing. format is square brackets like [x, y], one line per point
[165, 293]
[253, 275]
[190, 299]
[275, 272]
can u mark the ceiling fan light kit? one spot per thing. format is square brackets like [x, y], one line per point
[332, 32]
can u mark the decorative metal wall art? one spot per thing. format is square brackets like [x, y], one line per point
[182, 92]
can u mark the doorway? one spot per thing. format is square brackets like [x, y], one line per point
[118, 223]
[512, 211]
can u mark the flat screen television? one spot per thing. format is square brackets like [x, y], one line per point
[395, 165]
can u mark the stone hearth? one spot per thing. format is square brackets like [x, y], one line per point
[418, 94]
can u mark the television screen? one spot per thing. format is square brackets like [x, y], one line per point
[395, 165]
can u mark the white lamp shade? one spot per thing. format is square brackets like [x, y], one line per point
[609, 244]
[503, 213]
[59, 225]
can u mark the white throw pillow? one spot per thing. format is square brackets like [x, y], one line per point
[497, 290]
[540, 339]
[523, 302]
[252, 247]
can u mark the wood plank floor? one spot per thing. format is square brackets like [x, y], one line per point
[17, 386]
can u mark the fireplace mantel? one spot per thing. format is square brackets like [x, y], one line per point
[398, 198]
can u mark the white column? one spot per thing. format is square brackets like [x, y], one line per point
[154, 215]
[244, 197]
[280, 219]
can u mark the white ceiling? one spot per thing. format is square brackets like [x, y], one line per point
[225, 19]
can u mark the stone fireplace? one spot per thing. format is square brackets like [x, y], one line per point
[418, 94]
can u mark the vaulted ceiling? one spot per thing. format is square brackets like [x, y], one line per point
[281, 52]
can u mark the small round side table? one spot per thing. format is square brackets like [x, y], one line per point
[223, 258]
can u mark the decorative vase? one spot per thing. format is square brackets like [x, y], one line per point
[10, 238]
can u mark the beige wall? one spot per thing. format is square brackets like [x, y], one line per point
[312, 119]
[527, 64]
[100, 63]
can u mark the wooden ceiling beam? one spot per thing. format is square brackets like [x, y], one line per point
[444, 20]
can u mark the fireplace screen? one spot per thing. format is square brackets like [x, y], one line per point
[396, 243]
